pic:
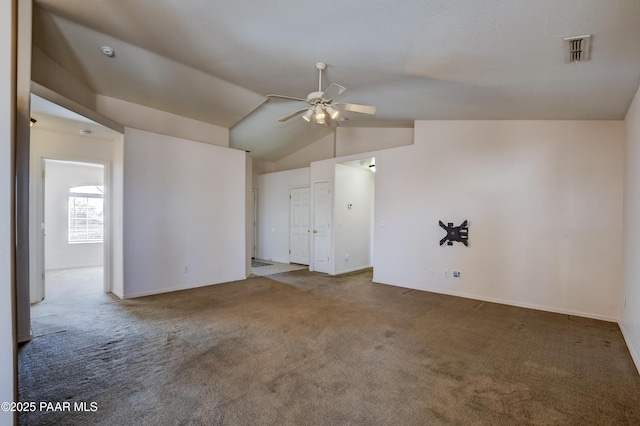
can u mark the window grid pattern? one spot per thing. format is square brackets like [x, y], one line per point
[86, 219]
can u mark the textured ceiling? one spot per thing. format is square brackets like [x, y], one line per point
[414, 59]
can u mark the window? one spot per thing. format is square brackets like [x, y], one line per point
[86, 214]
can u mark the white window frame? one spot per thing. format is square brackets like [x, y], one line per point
[72, 230]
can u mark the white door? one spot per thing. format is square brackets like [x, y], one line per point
[321, 226]
[300, 229]
[38, 291]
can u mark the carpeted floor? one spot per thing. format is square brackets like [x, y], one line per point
[300, 348]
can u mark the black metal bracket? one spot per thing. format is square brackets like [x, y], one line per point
[455, 233]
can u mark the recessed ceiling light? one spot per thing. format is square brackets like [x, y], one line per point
[85, 132]
[108, 51]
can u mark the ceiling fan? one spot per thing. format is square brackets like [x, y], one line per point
[322, 107]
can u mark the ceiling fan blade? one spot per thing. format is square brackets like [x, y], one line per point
[362, 109]
[293, 114]
[333, 91]
[286, 97]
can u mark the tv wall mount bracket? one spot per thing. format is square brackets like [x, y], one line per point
[458, 234]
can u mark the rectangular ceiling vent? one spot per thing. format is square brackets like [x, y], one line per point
[576, 49]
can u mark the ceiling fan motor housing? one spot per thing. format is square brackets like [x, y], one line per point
[314, 97]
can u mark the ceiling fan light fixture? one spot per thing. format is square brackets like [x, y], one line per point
[319, 115]
[307, 115]
[333, 113]
[321, 103]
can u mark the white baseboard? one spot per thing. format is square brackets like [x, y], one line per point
[510, 303]
[117, 294]
[346, 271]
[178, 288]
[632, 350]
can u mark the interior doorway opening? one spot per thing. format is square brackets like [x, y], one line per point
[73, 226]
[354, 215]
[76, 168]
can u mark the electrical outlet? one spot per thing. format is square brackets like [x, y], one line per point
[456, 274]
[431, 272]
[346, 257]
[186, 269]
[446, 273]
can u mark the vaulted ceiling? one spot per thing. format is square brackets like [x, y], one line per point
[216, 60]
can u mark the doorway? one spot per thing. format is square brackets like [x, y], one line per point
[73, 228]
[353, 211]
[63, 139]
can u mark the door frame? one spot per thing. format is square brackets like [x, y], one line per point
[38, 282]
[254, 212]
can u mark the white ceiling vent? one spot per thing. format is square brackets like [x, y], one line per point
[576, 49]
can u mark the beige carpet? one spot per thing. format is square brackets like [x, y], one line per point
[300, 348]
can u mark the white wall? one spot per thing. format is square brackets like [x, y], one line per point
[59, 178]
[630, 311]
[184, 206]
[8, 364]
[544, 200]
[273, 212]
[319, 150]
[352, 229]
[115, 245]
[141, 117]
[358, 140]
[345, 141]
[22, 150]
[60, 146]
